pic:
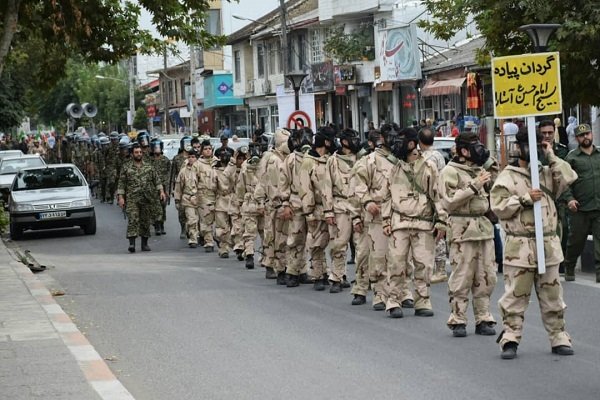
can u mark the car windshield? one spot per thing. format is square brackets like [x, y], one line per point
[47, 178]
[13, 166]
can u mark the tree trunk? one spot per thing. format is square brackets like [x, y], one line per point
[10, 23]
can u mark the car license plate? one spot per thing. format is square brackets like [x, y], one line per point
[53, 214]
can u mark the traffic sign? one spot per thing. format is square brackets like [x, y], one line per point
[298, 120]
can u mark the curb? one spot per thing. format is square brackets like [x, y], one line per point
[94, 368]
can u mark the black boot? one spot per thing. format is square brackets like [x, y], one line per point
[281, 278]
[145, 244]
[240, 255]
[336, 287]
[250, 261]
[292, 280]
[157, 229]
[162, 228]
[305, 279]
[131, 247]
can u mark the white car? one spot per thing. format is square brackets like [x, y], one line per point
[53, 196]
[9, 166]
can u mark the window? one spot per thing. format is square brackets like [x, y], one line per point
[260, 60]
[316, 51]
[237, 66]
[213, 22]
[274, 117]
[182, 91]
[302, 59]
[272, 53]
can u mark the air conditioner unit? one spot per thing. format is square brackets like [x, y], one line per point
[266, 86]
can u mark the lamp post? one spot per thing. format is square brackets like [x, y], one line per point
[539, 34]
[130, 113]
[296, 79]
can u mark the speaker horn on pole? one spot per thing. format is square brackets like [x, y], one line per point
[89, 110]
[74, 110]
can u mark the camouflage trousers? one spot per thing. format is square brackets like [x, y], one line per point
[223, 231]
[139, 218]
[279, 241]
[103, 188]
[183, 219]
[410, 245]
[317, 240]
[253, 226]
[473, 272]
[163, 212]
[514, 303]
[111, 186]
[296, 244]
[191, 215]
[378, 247]
[268, 251]
[207, 219]
[237, 230]
[361, 276]
[340, 234]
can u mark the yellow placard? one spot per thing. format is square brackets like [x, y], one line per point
[526, 85]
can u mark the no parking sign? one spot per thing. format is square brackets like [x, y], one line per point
[298, 120]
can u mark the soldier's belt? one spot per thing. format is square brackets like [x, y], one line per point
[466, 215]
[530, 235]
[419, 218]
[341, 196]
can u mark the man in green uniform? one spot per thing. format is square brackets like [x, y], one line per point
[162, 164]
[583, 200]
[139, 184]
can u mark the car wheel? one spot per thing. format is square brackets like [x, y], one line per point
[90, 227]
[16, 231]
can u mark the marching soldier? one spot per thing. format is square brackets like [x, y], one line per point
[163, 167]
[138, 187]
[411, 216]
[179, 160]
[237, 229]
[113, 158]
[336, 207]
[224, 173]
[464, 190]
[512, 199]
[186, 195]
[207, 188]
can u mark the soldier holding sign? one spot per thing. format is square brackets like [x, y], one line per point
[512, 199]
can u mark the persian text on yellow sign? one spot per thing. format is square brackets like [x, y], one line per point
[526, 85]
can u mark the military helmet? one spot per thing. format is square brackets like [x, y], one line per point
[156, 143]
[104, 140]
[143, 139]
[185, 143]
[113, 135]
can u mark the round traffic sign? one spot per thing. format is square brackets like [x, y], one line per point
[298, 120]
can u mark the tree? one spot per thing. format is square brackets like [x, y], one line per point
[103, 30]
[140, 120]
[577, 40]
[11, 110]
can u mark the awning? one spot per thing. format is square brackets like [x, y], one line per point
[440, 88]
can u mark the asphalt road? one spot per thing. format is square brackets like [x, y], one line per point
[181, 324]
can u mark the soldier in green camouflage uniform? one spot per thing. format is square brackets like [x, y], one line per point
[512, 199]
[112, 163]
[163, 169]
[139, 185]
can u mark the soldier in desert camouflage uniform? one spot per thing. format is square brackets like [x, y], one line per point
[207, 188]
[263, 207]
[225, 170]
[177, 163]
[512, 199]
[336, 207]
[139, 184]
[235, 213]
[273, 218]
[312, 176]
[300, 142]
[464, 190]
[186, 195]
[411, 216]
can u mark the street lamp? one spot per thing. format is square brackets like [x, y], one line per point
[131, 111]
[296, 79]
[539, 34]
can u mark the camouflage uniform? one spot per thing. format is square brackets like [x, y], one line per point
[371, 179]
[357, 214]
[411, 209]
[112, 168]
[176, 165]
[335, 203]
[253, 223]
[237, 229]
[312, 175]
[224, 189]
[289, 186]
[264, 208]
[139, 186]
[471, 237]
[441, 249]
[510, 200]
[186, 194]
[207, 187]
[163, 168]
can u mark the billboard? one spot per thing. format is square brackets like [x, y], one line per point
[399, 54]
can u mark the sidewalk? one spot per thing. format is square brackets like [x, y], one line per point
[42, 353]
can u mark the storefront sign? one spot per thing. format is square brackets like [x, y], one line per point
[399, 54]
[344, 74]
[322, 76]
[526, 85]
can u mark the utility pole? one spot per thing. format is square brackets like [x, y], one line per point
[165, 95]
[192, 89]
[284, 39]
[131, 94]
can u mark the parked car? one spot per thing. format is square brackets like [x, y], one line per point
[9, 166]
[444, 145]
[10, 153]
[53, 196]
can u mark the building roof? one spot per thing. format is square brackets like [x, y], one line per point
[463, 55]
[270, 20]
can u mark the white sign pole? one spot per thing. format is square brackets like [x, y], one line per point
[537, 206]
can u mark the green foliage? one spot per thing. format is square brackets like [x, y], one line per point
[345, 47]
[11, 109]
[578, 39]
[3, 218]
[140, 120]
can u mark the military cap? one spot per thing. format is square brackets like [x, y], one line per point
[582, 129]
